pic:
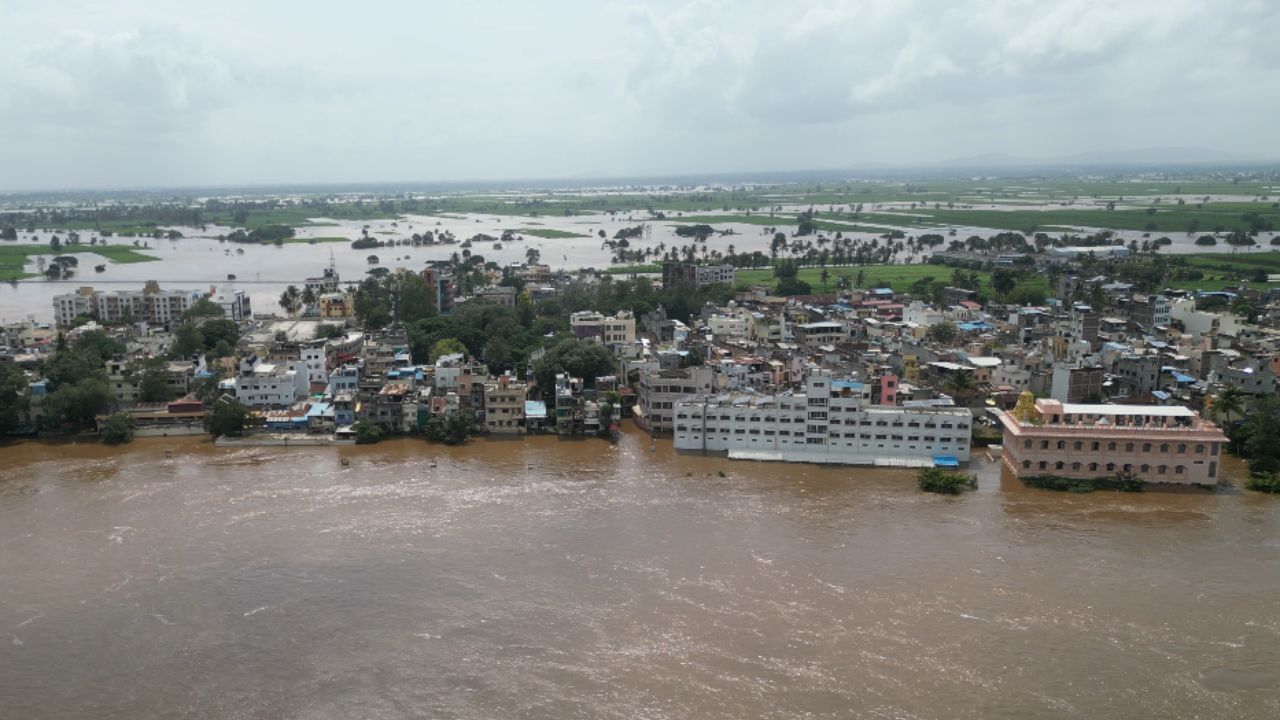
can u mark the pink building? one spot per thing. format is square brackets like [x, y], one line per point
[1158, 444]
[889, 389]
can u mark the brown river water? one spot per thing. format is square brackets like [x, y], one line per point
[577, 579]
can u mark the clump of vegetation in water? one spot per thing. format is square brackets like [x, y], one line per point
[367, 433]
[118, 429]
[1120, 482]
[935, 480]
[1267, 483]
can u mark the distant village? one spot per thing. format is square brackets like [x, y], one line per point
[1124, 384]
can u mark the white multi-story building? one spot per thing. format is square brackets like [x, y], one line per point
[611, 331]
[262, 384]
[316, 361]
[729, 325]
[832, 421]
[151, 304]
[711, 274]
[660, 390]
[234, 304]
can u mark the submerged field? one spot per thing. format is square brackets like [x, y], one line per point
[14, 258]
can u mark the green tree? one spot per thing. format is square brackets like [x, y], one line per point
[188, 340]
[1003, 281]
[415, 300]
[1228, 403]
[78, 405]
[943, 333]
[205, 389]
[576, 358]
[452, 430]
[13, 396]
[215, 332]
[226, 417]
[447, 346]
[496, 354]
[118, 429]
[793, 286]
[367, 433]
[204, 307]
[152, 377]
[958, 381]
[936, 480]
[290, 298]
[1257, 437]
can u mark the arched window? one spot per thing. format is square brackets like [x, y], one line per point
[1146, 447]
[1057, 465]
[1097, 445]
[1062, 444]
[1111, 446]
[1026, 464]
[1146, 468]
[1111, 467]
[1075, 466]
[1128, 467]
[1128, 447]
[1043, 465]
[1182, 448]
[1199, 449]
[1093, 467]
[1164, 447]
[1079, 445]
[1163, 469]
[1179, 469]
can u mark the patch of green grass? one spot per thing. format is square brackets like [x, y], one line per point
[550, 233]
[629, 269]
[315, 240]
[14, 258]
[118, 253]
[898, 277]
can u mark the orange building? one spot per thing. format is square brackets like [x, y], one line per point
[1158, 444]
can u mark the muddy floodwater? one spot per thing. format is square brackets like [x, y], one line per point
[578, 579]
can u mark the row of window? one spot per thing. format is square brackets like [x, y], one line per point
[1129, 447]
[835, 443]
[961, 442]
[818, 415]
[1110, 467]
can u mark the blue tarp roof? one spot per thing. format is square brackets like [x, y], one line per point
[535, 408]
[947, 461]
[851, 384]
[1180, 378]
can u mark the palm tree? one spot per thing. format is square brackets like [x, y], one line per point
[1227, 403]
[289, 299]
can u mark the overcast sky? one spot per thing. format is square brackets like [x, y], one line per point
[141, 93]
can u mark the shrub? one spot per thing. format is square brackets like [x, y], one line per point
[367, 433]
[1267, 483]
[935, 480]
[1120, 482]
[118, 429]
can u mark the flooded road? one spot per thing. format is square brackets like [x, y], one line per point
[577, 579]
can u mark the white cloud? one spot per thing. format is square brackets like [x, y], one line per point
[150, 92]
